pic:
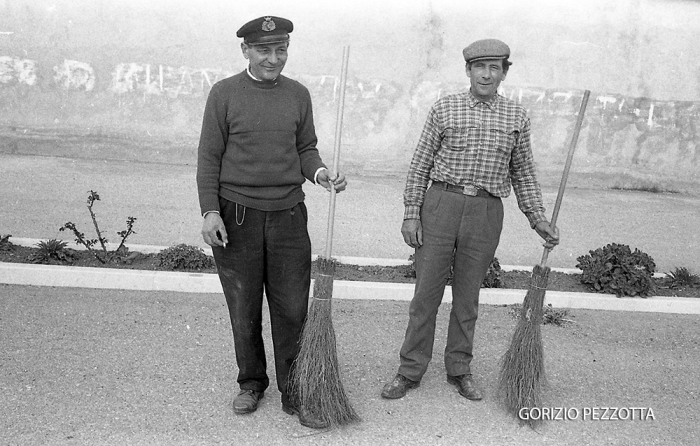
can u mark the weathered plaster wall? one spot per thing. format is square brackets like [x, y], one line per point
[129, 79]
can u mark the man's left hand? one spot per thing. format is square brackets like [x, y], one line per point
[324, 179]
[549, 233]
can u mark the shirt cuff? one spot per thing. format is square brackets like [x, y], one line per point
[534, 218]
[316, 174]
[411, 212]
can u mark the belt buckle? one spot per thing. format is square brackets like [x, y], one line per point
[470, 190]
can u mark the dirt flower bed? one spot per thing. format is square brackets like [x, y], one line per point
[558, 281]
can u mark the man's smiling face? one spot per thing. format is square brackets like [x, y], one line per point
[266, 60]
[485, 76]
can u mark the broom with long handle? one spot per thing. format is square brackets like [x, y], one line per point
[315, 379]
[522, 367]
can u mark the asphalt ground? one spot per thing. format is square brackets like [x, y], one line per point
[40, 194]
[115, 367]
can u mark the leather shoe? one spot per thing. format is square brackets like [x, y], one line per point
[398, 387]
[247, 401]
[465, 385]
[305, 417]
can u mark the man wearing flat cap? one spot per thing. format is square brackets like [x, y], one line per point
[257, 147]
[473, 148]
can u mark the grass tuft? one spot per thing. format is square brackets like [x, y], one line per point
[681, 277]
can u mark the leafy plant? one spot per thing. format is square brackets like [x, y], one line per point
[81, 240]
[185, 257]
[551, 315]
[5, 243]
[51, 251]
[493, 277]
[555, 316]
[618, 270]
[101, 255]
[681, 278]
[126, 233]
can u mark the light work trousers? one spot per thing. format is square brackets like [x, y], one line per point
[468, 228]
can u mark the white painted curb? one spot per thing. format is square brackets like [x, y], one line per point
[108, 278]
[127, 279]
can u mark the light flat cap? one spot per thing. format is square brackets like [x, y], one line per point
[266, 29]
[486, 49]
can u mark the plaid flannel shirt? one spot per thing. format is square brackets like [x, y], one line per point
[469, 142]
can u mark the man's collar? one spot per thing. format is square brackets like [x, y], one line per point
[247, 70]
[472, 100]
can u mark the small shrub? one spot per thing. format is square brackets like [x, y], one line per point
[5, 243]
[493, 275]
[51, 251]
[492, 279]
[681, 278]
[555, 316]
[102, 256]
[550, 316]
[616, 269]
[411, 272]
[186, 257]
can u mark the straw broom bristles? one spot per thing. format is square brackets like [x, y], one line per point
[522, 372]
[522, 375]
[315, 379]
[315, 376]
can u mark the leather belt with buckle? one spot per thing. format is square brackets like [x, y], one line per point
[469, 189]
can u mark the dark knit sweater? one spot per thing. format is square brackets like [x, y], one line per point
[258, 144]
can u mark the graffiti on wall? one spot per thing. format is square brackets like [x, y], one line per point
[617, 127]
[369, 99]
[163, 79]
[368, 102]
[15, 71]
[74, 75]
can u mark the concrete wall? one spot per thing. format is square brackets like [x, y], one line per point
[128, 79]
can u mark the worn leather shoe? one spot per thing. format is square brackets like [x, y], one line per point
[398, 387]
[466, 387]
[247, 401]
[305, 418]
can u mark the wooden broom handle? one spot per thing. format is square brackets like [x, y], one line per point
[567, 166]
[336, 149]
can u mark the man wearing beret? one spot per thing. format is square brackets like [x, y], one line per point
[473, 147]
[257, 147]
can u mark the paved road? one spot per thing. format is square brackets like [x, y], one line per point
[115, 367]
[40, 194]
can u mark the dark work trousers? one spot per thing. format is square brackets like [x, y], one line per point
[268, 251]
[468, 228]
